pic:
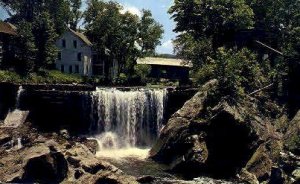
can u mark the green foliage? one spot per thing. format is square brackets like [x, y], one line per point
[211, 18]
[48, 77]
[237, 71]
[58, 77]
[121, 35]
[143, 72]
[121, 80]
[197, 51]
[25, 49]
[75, 13]
[45, 37]
[8, 76]
[150, 33]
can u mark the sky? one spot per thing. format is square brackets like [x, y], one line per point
[159, 9]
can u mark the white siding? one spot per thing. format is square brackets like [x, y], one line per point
[69, 55]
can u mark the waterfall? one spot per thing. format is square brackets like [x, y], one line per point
[19, 93]
[127, 118]
[16, 117]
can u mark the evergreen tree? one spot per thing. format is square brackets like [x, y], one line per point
[45, 37]
[25, 49]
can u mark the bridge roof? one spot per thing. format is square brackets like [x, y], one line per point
[164, 62]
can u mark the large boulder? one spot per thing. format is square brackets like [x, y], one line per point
[292, 135]
[37, 164]
[218, 140]
[108, 177]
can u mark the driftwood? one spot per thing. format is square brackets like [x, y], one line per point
[261, 89]
[268, 47]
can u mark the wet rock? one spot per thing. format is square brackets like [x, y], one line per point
[218, 141]
[296, 174]
[64, 133]
[92, 166]
[4, 138]
[261, 162]
[35, 164]
[44, 165]
[92, 144]
[81, 156]
[146, 179]
[73, 161]
[247, 177]
[107, 177]
[78, 173]
[277, 176]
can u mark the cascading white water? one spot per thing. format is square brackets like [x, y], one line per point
[16, 117]
[127, 119]
[19, 93]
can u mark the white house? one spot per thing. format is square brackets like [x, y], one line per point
[75, 53]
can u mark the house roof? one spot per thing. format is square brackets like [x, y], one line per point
[82, 37]
[7, 28]
[164, 62]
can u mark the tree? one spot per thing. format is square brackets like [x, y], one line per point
[45, 37]
[25, 49]
[121, 36]
[60, 13]
[76, 13]
[150, 33]
[211, 19]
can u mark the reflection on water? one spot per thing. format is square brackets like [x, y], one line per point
[125, 153]
[135, 162]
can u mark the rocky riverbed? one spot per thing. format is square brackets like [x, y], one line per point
[30, 156]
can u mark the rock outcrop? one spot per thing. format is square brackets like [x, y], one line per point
[53, 158]
[292, 135]
[218, 140]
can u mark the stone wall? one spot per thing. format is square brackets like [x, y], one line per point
[8, 94]
[54, 107]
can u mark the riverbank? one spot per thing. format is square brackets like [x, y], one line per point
[43, 77]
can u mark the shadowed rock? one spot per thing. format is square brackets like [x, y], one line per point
[218, 141]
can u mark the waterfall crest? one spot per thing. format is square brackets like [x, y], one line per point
[16, 117]
[124, 119]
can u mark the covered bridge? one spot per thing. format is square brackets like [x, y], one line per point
[167, 68]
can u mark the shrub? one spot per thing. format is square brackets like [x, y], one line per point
[238, 72]
[8, 76]
[143, 72]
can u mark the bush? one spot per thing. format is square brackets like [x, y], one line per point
[8, 76]
[143, 72]
[121, 80]
[238, 72]
[44, 76]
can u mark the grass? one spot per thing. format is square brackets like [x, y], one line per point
[43, 77]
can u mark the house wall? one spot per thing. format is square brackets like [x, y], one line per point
[69, 55]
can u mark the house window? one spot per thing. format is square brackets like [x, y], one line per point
[70, 69]
[59, 55]
[79, 56]
[64, 43]
[62, 68]
[75, 44]
[76, 69]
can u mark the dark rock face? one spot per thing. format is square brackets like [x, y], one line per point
[8, 94]
[49, 166]
[218, 142]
